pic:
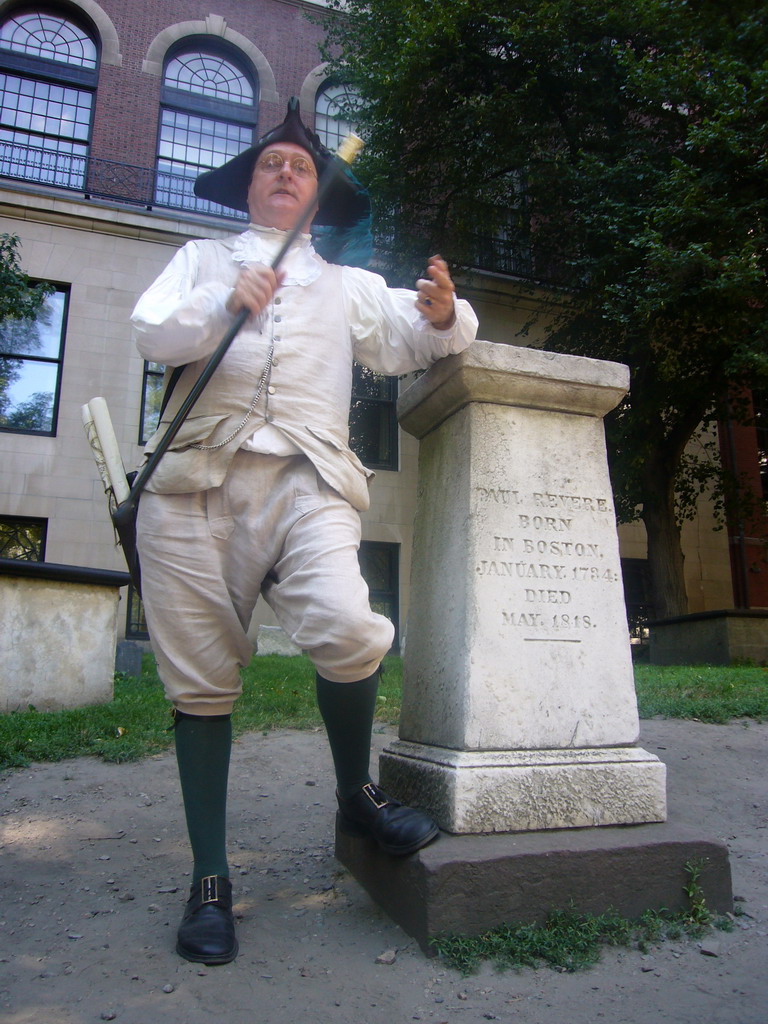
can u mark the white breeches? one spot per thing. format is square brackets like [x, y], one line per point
[273, 528]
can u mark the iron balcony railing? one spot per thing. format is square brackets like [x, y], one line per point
[106, 179]
[157, 187]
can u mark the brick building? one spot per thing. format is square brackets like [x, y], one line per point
[109, 112]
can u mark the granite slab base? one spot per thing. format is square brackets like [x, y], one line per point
[468, 884]
[476, 791]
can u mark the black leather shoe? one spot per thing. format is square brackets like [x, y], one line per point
[395, 828]
[207, 930]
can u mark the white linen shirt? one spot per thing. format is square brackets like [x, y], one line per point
[181, 318]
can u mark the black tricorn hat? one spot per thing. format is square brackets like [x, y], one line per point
[345, 203]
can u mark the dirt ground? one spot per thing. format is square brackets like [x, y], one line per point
[94, 872]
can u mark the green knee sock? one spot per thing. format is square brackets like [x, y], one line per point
[202, 751]
[347, 710]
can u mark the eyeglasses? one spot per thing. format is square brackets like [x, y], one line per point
[274, 162]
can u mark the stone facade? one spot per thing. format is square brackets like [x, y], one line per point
[106, 252]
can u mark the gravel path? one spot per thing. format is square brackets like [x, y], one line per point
[93, 873]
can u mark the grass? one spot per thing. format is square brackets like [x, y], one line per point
[707, 693]
[569, 941]
[278, 693]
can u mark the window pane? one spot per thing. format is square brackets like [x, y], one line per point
[502, 227]
[27, 394]
[198, 142]
[44, 108]
[373, 418]
[30, 363]
[23, 538]
[41, 337]
[189, 145]
[335, 108]
[379, 565]
[368, 384]
[50, 37]
[370, 433]
[190, 142]
[153, 396]
[44, 131]
[206, 74]
[376, 562]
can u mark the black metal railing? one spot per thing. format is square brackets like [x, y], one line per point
[47, 166]
[507, 252]
[504, 249]
[106, 179]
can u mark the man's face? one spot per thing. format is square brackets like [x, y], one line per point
[283, 182]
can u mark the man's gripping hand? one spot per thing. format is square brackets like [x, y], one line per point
[254, 289]
[435, 293]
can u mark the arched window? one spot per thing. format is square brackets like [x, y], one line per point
[208, 115]
[205, 74]
[47, 87]
[335, 106]
[51, 37]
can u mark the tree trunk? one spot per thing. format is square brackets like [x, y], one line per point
[665, 552]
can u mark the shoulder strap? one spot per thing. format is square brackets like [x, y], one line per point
[173, 380]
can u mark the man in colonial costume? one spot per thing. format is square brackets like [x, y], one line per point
[260, 492]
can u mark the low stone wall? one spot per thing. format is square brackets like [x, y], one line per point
[711, 638]
[58, 635]
[273, 640]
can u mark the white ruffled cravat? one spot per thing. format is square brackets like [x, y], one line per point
[301, 264]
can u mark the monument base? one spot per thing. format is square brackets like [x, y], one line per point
[468, 884]
[526, 790]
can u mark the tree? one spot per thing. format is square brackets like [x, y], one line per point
[19, 299]
[21, 310]
[22, 539]
[639, 131]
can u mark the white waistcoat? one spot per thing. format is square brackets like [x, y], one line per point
[308, 392]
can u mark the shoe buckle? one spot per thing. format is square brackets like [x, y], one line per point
[370, 791]
[210, 889]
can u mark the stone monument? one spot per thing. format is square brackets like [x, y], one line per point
[519, 723]
[519, 708]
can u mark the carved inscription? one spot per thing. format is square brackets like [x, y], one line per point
[571, 502]
[546, 569]
[497, 495]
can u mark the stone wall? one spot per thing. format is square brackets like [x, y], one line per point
[59, 630]
[711, 638]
